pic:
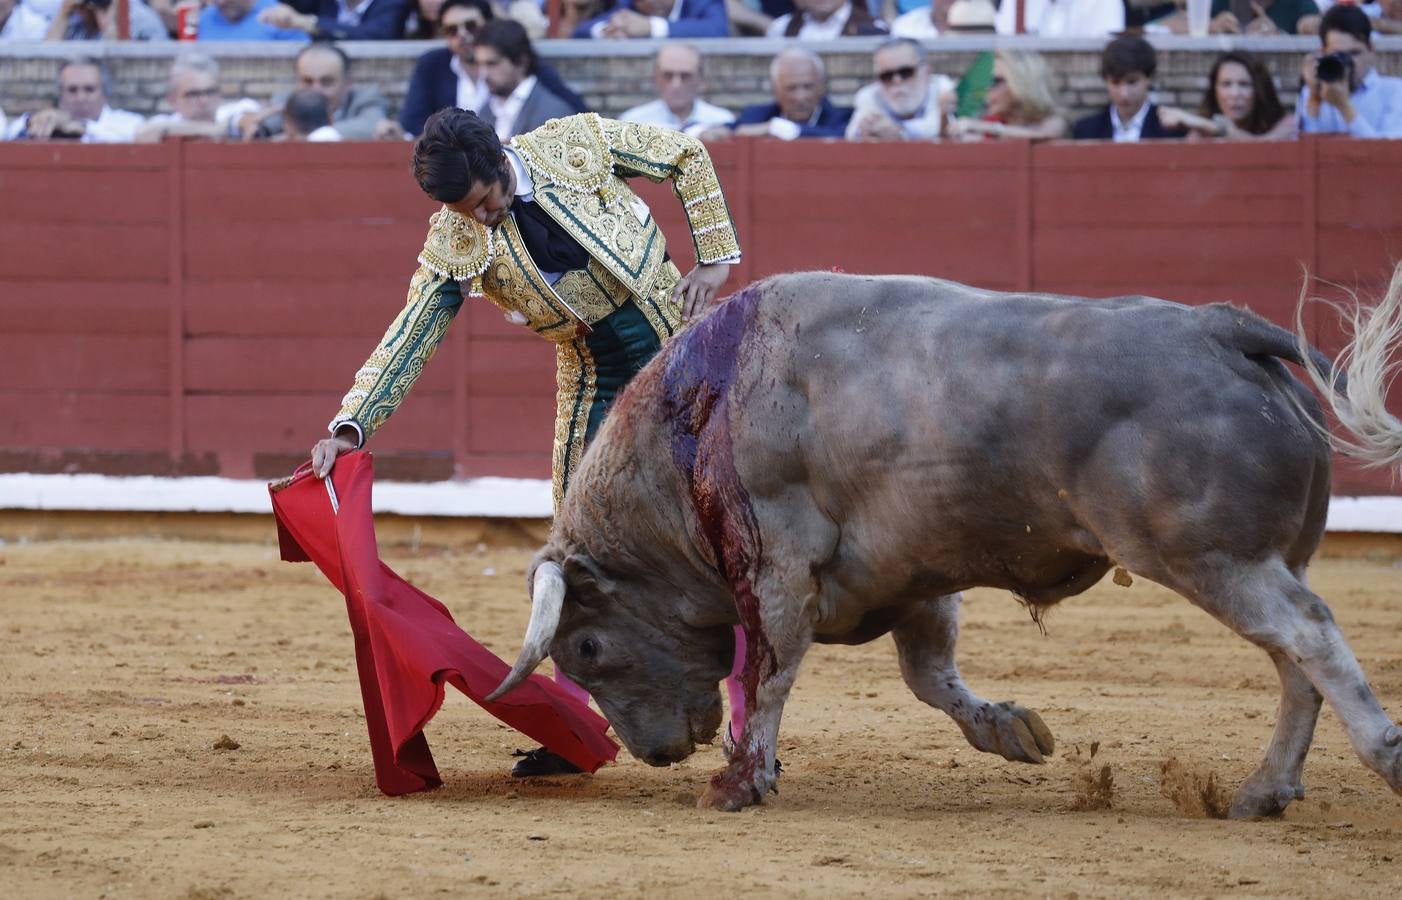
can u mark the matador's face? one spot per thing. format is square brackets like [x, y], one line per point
[489, 202]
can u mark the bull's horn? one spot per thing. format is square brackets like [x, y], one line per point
[547, 599]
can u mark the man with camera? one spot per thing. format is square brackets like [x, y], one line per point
[1342, 92]
[96, 20]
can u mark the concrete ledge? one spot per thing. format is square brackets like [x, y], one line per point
[614, 75]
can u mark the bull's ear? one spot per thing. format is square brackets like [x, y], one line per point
[586, 580]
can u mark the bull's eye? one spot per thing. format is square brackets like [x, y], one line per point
[588, 649]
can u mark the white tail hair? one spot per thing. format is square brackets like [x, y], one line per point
[1367, 364]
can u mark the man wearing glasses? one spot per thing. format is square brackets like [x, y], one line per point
[1342, 92]
[448, 76]
[196, 109]
[907, 102]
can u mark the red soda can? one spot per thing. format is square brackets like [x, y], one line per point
[187, 22]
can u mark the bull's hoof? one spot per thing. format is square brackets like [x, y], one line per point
[743, 783]
[1017, 734]
[1259, 799]
[727, 797]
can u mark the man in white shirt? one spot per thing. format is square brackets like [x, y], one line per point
[195, 110]
[1357, 100]
[27, 20]
[82, 113]
[905, 102]
[1063, 18]
[678, 74]
[506, 62]
[826, 20]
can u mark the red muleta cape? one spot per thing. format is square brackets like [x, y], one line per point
[407, 644]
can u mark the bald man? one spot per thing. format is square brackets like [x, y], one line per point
[679, 76]
[801, 108]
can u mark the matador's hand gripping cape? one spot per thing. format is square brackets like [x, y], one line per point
[407, 645]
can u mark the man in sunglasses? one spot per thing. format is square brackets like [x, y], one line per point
[1343, 93]
[906, 102]
[448, 76]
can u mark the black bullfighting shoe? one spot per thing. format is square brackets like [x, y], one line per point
[542, 762]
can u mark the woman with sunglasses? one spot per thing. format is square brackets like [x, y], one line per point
[1240, 104]
[1019, 103]
[448, 75]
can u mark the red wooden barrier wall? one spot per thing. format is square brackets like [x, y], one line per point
[200, 308]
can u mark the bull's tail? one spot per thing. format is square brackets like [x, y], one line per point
[1254, 336]
[1355, 385]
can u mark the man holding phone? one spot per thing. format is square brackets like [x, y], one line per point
[1343, 93]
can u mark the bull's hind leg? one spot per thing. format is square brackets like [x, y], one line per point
[1272, 608]
[1280, 777]
[925, 642]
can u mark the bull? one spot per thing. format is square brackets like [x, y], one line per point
[827, 457]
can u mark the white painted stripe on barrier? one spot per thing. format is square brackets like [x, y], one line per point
[505, 497]
[495, 497]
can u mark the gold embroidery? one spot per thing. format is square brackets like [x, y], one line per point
[409, 343]
[664, 315]
[610, 233]
[514, 284]
[457, 247]
[661, 153]
[576, 388]
[571, 152]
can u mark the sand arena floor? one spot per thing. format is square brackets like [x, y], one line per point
[124, 662]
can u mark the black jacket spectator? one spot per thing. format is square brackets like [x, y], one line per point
[829, 121]
[382, 21]
[1098, 127]
[434, 86]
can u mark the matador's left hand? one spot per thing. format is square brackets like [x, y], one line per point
[699, 287]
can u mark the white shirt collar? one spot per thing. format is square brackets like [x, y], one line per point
[1131, 131]
[472, 94]
[525, 185]
[829, 29]
[506, 110]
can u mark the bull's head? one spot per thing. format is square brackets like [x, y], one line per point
[626, 641]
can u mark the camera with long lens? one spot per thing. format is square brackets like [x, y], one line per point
[1333, 67]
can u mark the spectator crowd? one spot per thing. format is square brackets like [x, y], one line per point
[487, 63]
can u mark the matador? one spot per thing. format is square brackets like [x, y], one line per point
[548, 229]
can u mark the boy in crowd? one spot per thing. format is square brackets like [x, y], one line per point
[1127, 65]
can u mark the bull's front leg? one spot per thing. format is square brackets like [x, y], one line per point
[774, 647]
[925, 643]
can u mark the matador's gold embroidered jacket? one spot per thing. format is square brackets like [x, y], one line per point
[578, 165]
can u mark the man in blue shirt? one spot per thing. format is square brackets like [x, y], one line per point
[1361, 103]
[237, 20]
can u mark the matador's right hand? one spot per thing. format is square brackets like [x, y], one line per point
[326, 450]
